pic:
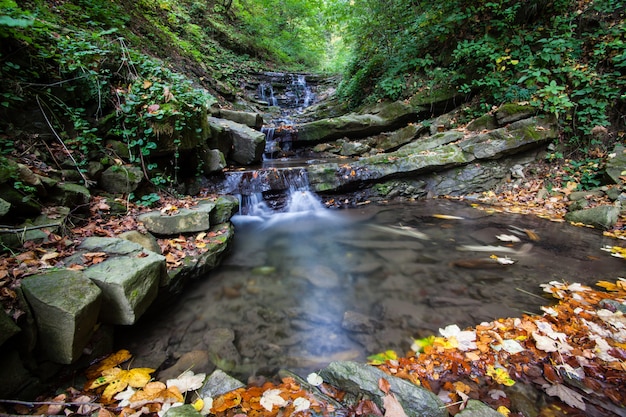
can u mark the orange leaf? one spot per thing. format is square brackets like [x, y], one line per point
[155, 392]
[110, 361]
[384, 385]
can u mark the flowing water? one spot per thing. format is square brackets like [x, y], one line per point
[310, 285]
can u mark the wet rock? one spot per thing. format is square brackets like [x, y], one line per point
[319, 275]
[186, 410]
[196, 361]
[121, 179]
[353, 148]
[221, 348]
[476, 408]
[393, 140]
[602, 217]
[525, 399]
[357, 378]
[357, 322]
[219, 383]
[185, 220]
[129, 277]
[146, 240]
[65, 305]
[226, 206]
[484, 122]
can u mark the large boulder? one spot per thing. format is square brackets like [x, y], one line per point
[185, 220]
[435, 153]
[121, 179]
[129, 277]
[247, 144]
[384, 117]
[65, 304]
[253, 120]
[602, 217]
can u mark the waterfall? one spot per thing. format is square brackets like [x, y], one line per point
[292, 183]
[270, 99]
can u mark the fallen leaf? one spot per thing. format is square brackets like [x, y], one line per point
[110, 361]
[187, 381]
[384, 385]
[393, 408]
[567, 395]
[117, 379]
[271, 398]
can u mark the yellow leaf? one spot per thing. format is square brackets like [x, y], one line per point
[146, 84]
[500, 376]
[117, 380]
[110, 361]
[382, 357]
[504, 411]
[198, 405]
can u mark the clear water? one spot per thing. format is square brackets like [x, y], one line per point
[309, 286]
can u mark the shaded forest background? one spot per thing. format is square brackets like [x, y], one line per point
[88, 69]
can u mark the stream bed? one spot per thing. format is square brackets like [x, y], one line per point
[303, 288]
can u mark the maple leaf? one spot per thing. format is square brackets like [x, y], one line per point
[187, 381]
[117, 379]
[568, 396]
[272, 397]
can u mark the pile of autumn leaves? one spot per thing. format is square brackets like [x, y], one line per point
[575, 353]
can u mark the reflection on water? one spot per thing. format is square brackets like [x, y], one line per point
[305, 288]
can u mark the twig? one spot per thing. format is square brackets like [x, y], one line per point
[530, 293]
[17, 230]
[86, 181]
[34, 403]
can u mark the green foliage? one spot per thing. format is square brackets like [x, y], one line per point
[587, 173]
[562, 57]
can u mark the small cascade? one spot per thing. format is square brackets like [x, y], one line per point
[290, 183]
[299, 91]
[266, 92]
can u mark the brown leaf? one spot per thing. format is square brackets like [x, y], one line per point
[384, 385]
[393, 408]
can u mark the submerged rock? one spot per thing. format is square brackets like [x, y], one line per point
[357, 378]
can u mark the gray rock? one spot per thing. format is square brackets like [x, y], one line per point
[579, 195]
[71, 195]
[129, 278]
[221, 348]
[5, 206]
[512, 112]
[357, 378]
[194, 267]
[484, 122]
[383, 117]
[603, 217]
[186, 410]
[247, 144]
[185, 220]
[253, 120]
[226, 206]
[146, 240]
[65, 304]
[393, 140]
[219, 383]
[616, 165]
[357, 322]
[121, 179]
[213, 160]
[476, 408]
[354, 149]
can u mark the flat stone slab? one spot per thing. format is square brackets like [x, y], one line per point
[129, 278]
[185, 220]
[65, 304]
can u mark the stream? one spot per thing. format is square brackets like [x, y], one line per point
[310, 285]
